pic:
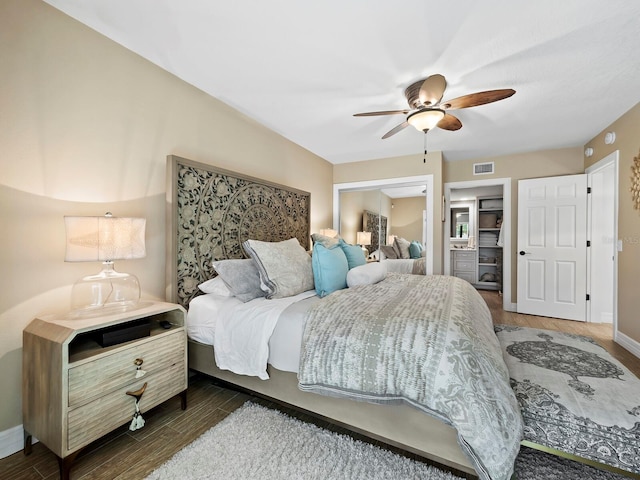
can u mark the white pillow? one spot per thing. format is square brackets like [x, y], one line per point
[367, 274]
[216, 286]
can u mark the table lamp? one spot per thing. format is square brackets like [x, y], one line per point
[104, 239]
[364, 239]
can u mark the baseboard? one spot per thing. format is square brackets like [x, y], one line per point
[11, 441]
[628, 343]
[510, 307]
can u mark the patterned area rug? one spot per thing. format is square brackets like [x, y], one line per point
[258, 443]
[575, 397]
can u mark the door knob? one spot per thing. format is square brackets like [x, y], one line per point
[522, 252]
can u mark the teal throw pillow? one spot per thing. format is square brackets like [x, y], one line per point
[415, 249]
[354, 253]
[330, 269]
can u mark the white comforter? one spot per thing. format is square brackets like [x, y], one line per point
[242, 332]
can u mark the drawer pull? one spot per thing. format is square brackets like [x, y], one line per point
[138, 393]
[139, 372]
[137, 421]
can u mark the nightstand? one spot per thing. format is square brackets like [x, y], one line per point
[74, 386]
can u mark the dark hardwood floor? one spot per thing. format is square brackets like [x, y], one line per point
[133, 455]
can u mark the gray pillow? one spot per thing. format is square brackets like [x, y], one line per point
[241, 276]
[326, 242]
[389, 251]
[285, 267]
[403, 247]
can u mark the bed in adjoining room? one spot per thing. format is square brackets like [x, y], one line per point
[411, 360]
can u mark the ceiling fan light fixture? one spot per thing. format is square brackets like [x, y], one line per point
[425, 119]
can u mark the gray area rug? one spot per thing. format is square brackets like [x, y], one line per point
[255, 442]
[574, 396]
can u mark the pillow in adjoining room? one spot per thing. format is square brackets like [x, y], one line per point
[388, 251]
[323, 240]
[367, 274]
[415, 249]
[402, 246]
[241, 276]
[285, 267]
[216, 286]
[354, 253]
[330, 269]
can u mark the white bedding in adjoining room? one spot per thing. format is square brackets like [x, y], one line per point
[274, 327]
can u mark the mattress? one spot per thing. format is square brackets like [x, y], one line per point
[285, 340]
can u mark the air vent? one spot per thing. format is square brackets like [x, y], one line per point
[482, 168]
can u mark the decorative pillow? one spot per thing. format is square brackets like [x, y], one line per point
[216, 286]
[330, 269]
[402, 246]
[354, 253]
[241, 277]
[325, 241]
[285, 267]
[367, 274]
[415, 249]
[388, 251]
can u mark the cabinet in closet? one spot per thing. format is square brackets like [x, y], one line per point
[489, 221]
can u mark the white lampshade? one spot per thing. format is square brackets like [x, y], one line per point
[390, 239]
[363, 238]
[99, 239]
[104, 239]
[425, 119]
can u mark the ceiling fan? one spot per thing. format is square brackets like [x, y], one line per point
[426, 109]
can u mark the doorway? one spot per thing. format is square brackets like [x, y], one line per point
[454, 188]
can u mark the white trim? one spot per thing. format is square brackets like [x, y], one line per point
[426, 180]
[510, 307]
[612, 158]
[627, 342]
[12, 441]
[506, 212]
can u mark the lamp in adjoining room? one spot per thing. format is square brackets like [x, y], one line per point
[364, 239]
[104, 239]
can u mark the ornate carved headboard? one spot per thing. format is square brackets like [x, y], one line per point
[211, 211]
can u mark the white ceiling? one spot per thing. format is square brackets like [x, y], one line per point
[304, 68]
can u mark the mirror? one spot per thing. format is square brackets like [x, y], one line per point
[460, 223]
[352, 201]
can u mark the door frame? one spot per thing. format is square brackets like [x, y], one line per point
[507, 304]
[611, 159]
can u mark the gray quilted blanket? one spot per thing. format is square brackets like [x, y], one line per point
[425, 340]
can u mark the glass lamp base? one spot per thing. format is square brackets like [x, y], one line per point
[105, 292]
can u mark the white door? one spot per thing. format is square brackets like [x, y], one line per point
[552, 246]
[603, 245]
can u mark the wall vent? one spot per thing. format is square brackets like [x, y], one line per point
[483, 168]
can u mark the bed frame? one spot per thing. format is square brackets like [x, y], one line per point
[210, 212]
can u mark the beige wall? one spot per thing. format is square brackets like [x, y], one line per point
[407, 218]
[352, 207]
[397, 167]
[86, 126]
[546, 163]
[628, 144]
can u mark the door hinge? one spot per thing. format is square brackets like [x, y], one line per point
[588, 243]
[588, 297]
[588, 190]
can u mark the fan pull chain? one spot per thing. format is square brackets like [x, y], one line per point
[424, 160]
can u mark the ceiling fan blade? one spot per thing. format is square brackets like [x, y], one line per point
[432, 89]
[475, 99]
[449, 122]
[396, 129]
[384, 112]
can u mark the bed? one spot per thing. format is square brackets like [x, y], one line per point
[213, 212]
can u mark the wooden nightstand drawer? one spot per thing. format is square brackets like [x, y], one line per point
[91, 421]
[97, 377]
